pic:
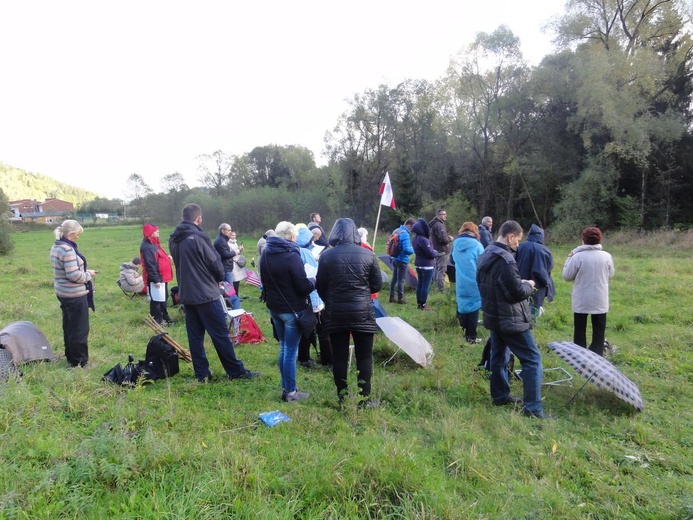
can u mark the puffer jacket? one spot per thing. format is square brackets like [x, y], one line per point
[405, 242]
[466, 249]
[283, 274]
[221, 244]
[347, 276]
[130, 278]
[423, 249]
[591, 269]
[198, 265]
[504, 298]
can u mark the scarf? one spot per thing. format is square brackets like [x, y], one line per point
[89, 285]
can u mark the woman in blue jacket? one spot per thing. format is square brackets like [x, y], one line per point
[466, 248]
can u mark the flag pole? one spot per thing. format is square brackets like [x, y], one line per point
[377, 220]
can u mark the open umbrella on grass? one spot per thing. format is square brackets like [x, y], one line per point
[599, 371]
[407, 338]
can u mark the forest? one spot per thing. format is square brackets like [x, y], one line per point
[599, 133]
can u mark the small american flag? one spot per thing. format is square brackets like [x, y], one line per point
[252, 278]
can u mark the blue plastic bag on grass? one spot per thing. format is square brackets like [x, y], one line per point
[273, 418]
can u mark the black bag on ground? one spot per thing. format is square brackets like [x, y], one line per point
[125, 376]
[161, 359]
[307, 321]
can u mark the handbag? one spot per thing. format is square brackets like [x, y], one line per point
[240, 260]
[306, 320]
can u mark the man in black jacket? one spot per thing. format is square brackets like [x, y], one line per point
[505, 305]
[199, 271]
[221, 244]
[440, 240]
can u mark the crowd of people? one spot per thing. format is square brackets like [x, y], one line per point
[323, 289]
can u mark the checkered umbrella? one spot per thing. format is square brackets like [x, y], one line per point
[599, 371]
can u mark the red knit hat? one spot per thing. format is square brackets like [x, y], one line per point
[149, 229]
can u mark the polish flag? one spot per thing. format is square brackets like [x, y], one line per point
[387, 198]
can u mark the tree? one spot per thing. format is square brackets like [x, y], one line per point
[216, 169]
[136, 189]
[6, 244]
[175, 190]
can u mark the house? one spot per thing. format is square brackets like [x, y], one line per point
[50, 211]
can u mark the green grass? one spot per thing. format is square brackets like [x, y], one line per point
[74, 447]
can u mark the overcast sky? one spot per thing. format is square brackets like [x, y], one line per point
[91, 92]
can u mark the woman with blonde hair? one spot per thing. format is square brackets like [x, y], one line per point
[74, 289]
[466, 248]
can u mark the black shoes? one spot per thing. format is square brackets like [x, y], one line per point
[511, 399]
[246, 375]
[308, 364]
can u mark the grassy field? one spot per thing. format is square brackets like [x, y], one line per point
[74, 447]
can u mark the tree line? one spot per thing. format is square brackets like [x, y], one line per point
[599, 133]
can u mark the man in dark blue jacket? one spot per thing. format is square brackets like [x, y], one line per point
[535, 262]
[199, 271]
[504, 301]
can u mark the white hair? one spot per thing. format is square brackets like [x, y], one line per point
[286, 230]
[363, 232]
[67, 228]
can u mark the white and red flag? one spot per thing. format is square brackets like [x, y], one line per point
[387, 198]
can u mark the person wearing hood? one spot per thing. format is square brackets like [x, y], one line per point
[199, 272]
[74, 287]
[466, 248]
[130, 279]
[263, 241]
[535, 262]
[305, 243]
[424, 261]
[590, 268]
[286, 287]
[347, 277]
[156, 273]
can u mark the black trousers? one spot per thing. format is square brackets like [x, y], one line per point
[158, 310]
[363, 349]
[598, 331]
[75, 329]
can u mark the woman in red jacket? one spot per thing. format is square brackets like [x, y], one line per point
[156, 272]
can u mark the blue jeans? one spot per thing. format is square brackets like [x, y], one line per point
[399, 272]
[210, 317]
[522, 345]
[424, 284]
[289, 334]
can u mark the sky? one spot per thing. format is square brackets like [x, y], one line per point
[91, 92]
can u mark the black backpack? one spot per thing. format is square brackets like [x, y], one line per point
[161, 359]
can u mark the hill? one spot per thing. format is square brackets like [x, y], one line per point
[19, 184]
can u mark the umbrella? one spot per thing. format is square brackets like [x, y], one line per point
[599, 371]
[410, 277]
[407, 338]
[379, 311]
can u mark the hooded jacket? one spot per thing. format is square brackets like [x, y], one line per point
[504, 297]
[423, 249]
[130, 278]
[221, 244]
[347, 276]
[535, 262]
[591, 269]
[198, 265]
[405, 242]
[466, 249]
[284, 277]
[485, 236]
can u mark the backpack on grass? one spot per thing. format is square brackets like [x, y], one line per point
[161, 359]
[393, 247]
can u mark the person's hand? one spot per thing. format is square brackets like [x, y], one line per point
[92, 273]
[240, 248]
[157, 285]
[530, 282]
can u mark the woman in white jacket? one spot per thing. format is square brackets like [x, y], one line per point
[591, 269]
